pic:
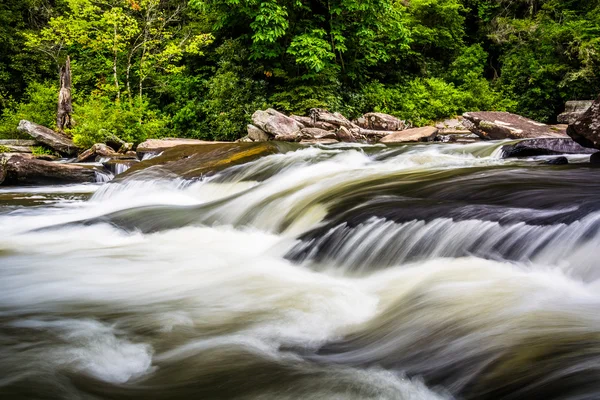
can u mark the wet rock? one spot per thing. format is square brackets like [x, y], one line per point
[544, 147]
[586, 130]
[54, 140]
[258, 135]
[595, 158]
[159, 145]
[245, 139]
[27, 170]
[502, 125]
[101, 150]
[275, 123]
[381, 122]
[558, 161]
[574, 110]
[319, 141]
[194, 161]
[424, 134]
[118, 167]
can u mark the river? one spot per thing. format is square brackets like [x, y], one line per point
[430, 271]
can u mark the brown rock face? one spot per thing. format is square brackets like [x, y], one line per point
[57, 141]
[158, 145]
[502, 125]
[381, 122]
[586, 130]
[425, 134]
[26, 170]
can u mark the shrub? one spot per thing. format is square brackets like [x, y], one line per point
[39, 106]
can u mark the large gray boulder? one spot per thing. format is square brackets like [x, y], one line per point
[55, 140]
[574, 110]
[275, 123]
[257, 134]
[586, 130]
[381, 122]
[503, 125]
[424, 134]
[544, 147]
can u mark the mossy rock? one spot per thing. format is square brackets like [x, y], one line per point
[194, 161]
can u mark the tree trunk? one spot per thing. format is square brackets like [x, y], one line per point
[65, 104]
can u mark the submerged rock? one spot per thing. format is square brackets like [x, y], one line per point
[424, 134]
[27, 170]
[574, 110]
[502, 125]
[586, 130]
[544, 147]
[195, 161]
[558, 161]
[57, 141]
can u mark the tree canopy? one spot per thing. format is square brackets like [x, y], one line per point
[200, 68]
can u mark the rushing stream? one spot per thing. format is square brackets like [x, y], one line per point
[431, 271]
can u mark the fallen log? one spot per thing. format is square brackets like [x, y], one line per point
[26, 170]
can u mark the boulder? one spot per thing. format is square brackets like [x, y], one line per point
[257, 134]
[9, 148]
[381, 122]
[336, 119]
[544, 147]
[308, 122]
[275, 123]
[502, 125]
[57, 141]
[344, 135]
[586, 130]
[27, 170]
[574, 110]
[159, 145]
[101, 150]
[558, 161]
[424, 134]
[595, 158]
[196, 161]
[245, 139]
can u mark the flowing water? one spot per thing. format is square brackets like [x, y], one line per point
[347, 272]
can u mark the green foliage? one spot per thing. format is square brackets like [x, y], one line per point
[4, 149]
[42, 151]
[39, 106]
[100, 117]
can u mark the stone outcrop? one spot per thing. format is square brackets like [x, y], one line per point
[381, 122]
[544, 147]
[196, 161]
[54, 140]
[256, 134]
[275, 123]
[586, 130]
[158, 145]
[26, 170]
[344, 135]
[574, 110]
[309, 123]
[335, 119]
[502, 125]
[101, 150]
[425, 134]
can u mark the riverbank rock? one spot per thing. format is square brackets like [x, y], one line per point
[158, 145]
[502, 125]
[544, 147]
[275, 123]
[309, 123]
[381, 122]
[256, 134]
[574, 110]
[425, 134]
[101, 150]
[196, 161]
[335, 119]
[586, 130]
[17, 146]
[54, 140]
[22, 169]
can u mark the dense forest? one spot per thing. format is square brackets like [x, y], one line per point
[200, 68]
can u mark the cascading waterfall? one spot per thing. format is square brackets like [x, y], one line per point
[430, 271]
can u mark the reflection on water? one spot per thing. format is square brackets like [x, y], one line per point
[347, 272]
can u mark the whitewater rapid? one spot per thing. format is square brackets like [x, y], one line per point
[344, 272]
